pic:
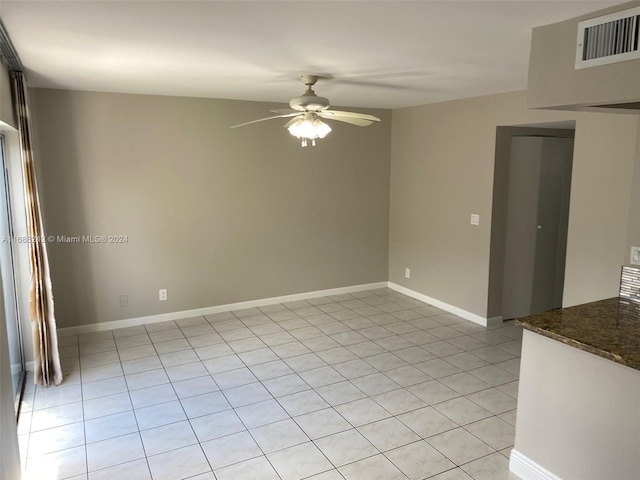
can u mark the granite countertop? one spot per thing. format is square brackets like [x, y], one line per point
[607, 328]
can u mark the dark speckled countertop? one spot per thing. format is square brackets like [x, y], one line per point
[607, 328]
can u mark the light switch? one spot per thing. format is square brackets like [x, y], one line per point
[475, 219]
[635, 256]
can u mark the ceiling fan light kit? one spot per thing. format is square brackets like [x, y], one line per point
[309, 127]
[305, 122]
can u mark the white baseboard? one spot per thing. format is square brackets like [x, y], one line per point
[485, 322]
[527, 469]
[164, 317]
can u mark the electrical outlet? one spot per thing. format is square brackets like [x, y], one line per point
[124, 301]
[407, 273]
[475, 219]
[635, 256]
[162, 294]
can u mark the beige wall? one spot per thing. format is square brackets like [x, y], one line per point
[253, 215]
[633, 236]
[212, 214]
[604, 155]
[442, 166]
[555, 82]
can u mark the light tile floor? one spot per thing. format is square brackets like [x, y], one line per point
[362, 386]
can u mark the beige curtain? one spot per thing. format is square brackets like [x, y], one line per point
[45, 338]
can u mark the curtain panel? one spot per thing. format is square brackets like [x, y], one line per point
[41, 310]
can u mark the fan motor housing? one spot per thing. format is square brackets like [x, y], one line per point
[309, 103]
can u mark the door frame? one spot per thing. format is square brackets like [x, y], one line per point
[499, 202]
[19, 388]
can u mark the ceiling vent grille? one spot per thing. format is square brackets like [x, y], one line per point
[608, 39]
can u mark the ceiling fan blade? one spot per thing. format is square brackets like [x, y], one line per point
[292, 121]
[364, 116]
[267, 118]
[361, 122]
[284, 110]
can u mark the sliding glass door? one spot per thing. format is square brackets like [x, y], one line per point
[7, 275]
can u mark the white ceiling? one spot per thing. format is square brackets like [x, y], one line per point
[385, 54]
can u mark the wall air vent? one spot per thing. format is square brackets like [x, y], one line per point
[608, 39]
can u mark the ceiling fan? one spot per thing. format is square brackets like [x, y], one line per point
[308, 109]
